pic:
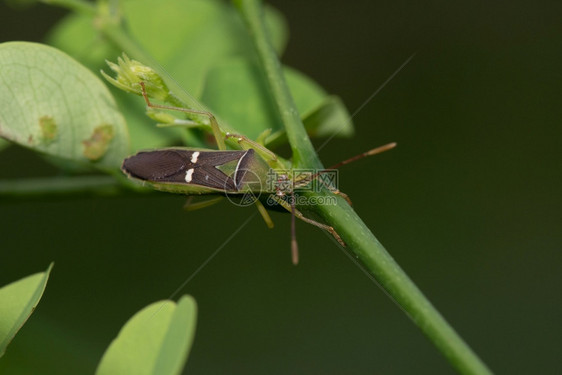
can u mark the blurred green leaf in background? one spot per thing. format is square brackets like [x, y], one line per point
[156, 340]
[17, 302]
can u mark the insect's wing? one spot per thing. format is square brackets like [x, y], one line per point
[184, 171]
[167, 165]
[217, 158]
[211, 177]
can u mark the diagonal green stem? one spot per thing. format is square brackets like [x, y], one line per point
[379, 263]
[304, 154]
[359, 239]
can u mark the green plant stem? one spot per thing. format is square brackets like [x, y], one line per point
[103, 185]
[359, 239]
[301, 147]
[380, 264]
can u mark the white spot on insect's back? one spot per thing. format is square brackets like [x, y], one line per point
[194, 157]
[189, 175]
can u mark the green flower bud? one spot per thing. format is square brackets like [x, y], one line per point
[129, 75]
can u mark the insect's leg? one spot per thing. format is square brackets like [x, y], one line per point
[343, 195]
[328, 228]
[190, 205]
[332, 189]
[306, 180]
[246, 142]
[264, 214]
[263, 136]
[218, 134]
[299, 215]
[294, 244]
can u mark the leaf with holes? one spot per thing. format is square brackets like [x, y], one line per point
[52, 104]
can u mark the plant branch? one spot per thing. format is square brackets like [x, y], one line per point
[303, 151]
[379, 263]
[102, 185]
[359, 239]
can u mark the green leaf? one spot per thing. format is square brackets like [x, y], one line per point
[197, 41]
[52, 104]
[329, 118]
[190, 37]
[76, 36]
[187, 37]
[179, 338]
[156, 340]
[234, 90]
[248, 109]
[17, 302]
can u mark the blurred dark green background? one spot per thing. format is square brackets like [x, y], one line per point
[469, 204]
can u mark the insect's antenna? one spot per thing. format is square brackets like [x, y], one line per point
[374, 151]
[294, 244]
